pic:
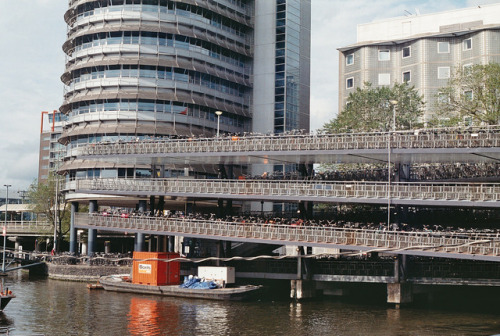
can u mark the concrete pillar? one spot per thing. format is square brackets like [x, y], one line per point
[399, 293]
[230, 172]
[220, 208]
[152, 206]
[142, 206]
[161, 205]
[139, 242]
[222, 172]
[107, 247]
[404, 172]
[171, 244]
[164, 243]
[92, 233]
[189, 208]
[302, 289]
[84, 248]
[18, 246]
[72, 230]
[400, 268]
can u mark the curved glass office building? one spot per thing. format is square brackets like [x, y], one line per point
[152, 68]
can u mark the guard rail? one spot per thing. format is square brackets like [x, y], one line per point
[486, 137]
[436, 242]
[324, 191]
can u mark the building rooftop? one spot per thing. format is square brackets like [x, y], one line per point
[401, 29]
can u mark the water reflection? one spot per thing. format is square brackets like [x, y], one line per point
[150, 317]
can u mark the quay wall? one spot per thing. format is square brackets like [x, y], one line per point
[83, 273]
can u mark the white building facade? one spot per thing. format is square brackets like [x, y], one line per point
[422, 50]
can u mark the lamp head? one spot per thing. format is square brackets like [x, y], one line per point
[393, 102]
[218, 113]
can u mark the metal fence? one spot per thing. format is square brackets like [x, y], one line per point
[28, 227]
[443, 243]
[485, 137]
[473, 192]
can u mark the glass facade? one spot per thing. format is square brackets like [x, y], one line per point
[134, 63]
[287, 76]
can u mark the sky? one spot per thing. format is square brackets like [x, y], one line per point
[32, 60]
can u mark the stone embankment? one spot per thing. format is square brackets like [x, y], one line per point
[84, 273]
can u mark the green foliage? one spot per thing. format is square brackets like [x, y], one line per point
[471, 97]
[369, 109]
[42, 197]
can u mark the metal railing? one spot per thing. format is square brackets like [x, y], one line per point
[437, 242]
[485, 137]
[28, 227]
[290, 189]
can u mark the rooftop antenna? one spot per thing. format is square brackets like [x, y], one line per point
[409, 13]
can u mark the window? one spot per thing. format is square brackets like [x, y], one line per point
[443, 72]
[384, 55]
[467, 44]
[384, 79]
[406, 52]
[468, 95]
[349, 83]
[349, 59]
[406, 76]
[443, 98]
[443, 47]
[467, 68]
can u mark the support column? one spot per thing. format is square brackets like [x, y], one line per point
[220, 208]
[152, 206]
[400, 292]
[301, 288]
[139, 237]
[142, 206]
[171, 243]
[230, 172]
[139, 242]
[92, 233]
[161, 205]
[229, 207]
[17, 246]
[164, 243]
[72, 230]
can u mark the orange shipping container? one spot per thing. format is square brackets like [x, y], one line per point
[155, 272]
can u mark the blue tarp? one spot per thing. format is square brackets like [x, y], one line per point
[196, 283]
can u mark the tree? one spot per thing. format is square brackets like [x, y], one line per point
[42, 197]
[472, 95]
[369, 109]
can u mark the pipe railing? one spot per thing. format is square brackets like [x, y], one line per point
[486, 137]
[439, 242]
[471, 192]
[27, 226]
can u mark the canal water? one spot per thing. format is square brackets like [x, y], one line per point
[51, 307]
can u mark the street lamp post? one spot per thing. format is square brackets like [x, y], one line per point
[218, 113]
[5, 227]
[389, 138]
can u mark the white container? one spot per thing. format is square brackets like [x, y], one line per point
[220, 274]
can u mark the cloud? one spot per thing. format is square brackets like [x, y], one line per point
[33, 32]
